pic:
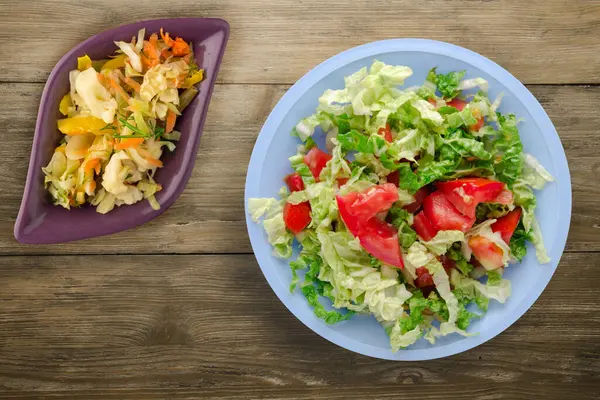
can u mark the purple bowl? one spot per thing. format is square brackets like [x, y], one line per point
[39, 221]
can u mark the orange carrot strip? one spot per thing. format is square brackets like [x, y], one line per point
[180, 47]
[91, 164]
[128, 143]
[98, 168]
[148, 157]
[171, 118]
[119, 89]
[166, 54]
[132, 84]
[166, 38]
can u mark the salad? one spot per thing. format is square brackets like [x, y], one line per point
[420, 200]
[119, 114]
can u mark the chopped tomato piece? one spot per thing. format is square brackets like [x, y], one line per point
[477, 126]
[386, 133]
[486, 252]
[294, 182]
[342, 181]
[466, 193]
[457, 103]
[380, 239]
[296, 216]
[316, 160]
[359, 212]
[443, 215]
[419, 197]
[507, 224]
[504, 197]
[394, 178]
[423, 227]
[357, 208]
[424, 278]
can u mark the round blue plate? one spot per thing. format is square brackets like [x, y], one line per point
[269, 164]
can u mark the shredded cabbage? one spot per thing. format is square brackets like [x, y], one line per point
[117, 122]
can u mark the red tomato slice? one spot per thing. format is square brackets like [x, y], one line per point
[466, 193]
[342, 181]
[477, 126]
[443, 215]
[419, 197]
[316, 160]
[386, 133]
[447, 263]
[424, 278]
[380, 239]
[394, 178]
[423, 227]
[294, 182]
[507, 224]
[486, 252]
[357, 208]
[296, 216]
[457, 103]
[504, 197]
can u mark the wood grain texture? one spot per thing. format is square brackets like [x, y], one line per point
[540, 41]
[209, 216]
[185, 326]
[134, 319]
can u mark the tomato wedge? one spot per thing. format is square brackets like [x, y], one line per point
[342, 181]
[294, 182]
[394, 177]
[386, 133]
[358, 211]
[423, 227]
[504, 197]
[486, 252]
[419, 197]
[296, 216]
[466, 193]
[357, 208]
[477, 125]
[424, 278]
[443, 215]
[316, 160]
[506, 225]
[380, 239]
[457, 103]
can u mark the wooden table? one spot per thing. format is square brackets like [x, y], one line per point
[178, 308]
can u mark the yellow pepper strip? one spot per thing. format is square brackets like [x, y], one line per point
[192, 80]
[64, 105]
[82, 124]
[84, 63]
[117, 62]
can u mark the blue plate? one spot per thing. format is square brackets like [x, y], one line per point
[269, 164]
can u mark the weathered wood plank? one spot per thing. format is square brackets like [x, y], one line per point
[539, 41]
[188, 326]
[209, 216]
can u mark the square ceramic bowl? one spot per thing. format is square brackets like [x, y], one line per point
[39, 221]
[269, 164]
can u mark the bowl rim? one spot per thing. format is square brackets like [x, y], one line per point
[512, 84]
[20, 227]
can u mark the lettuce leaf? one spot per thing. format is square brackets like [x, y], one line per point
[447, 84]
[277, 235]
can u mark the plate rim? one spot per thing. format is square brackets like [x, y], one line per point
[541, 119]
